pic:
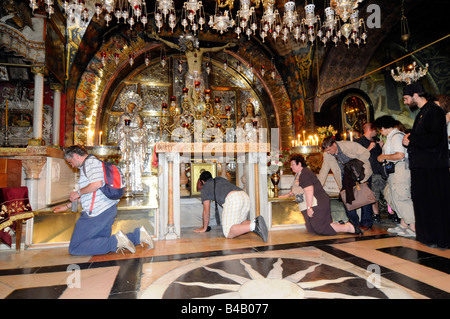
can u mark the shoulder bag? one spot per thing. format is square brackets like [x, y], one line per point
[300, 196]
[363, 196]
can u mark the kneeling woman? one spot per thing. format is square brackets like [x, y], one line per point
[318, 219]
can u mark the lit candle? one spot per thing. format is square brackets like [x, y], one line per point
[90, 137]
[6, 113]
[293, 143]
[345, 136]
[351, 136]
[304, 139]
[100, 138]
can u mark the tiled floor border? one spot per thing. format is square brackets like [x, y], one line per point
[132, 268]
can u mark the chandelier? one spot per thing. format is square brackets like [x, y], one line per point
[341, 20]
[409, 74]
[131, 11]
[193, 15]
[165, 11]
[246, 20]
[221, 21]
[344, 8]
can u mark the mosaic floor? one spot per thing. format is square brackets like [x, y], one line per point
[292, 264]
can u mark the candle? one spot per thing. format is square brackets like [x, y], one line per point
[100, 138]
[304, 139]
[351, 136]
[90, 137]
[345, 136]
[6, 113]
[293, 143]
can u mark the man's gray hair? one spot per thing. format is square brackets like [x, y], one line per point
[74, 149]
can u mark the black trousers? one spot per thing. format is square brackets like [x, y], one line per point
[430, 192]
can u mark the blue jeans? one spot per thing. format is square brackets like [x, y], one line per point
[366, 212]
[92, 235]
[366, 216]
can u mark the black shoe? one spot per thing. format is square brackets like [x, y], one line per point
[394, 217]
[377, 218]
[357, 230]
[261, 228]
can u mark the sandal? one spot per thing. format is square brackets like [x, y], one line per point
[357, 231]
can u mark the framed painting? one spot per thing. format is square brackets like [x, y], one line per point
[196, 170]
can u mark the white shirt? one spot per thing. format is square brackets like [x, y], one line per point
[94, 173]
[394, 144]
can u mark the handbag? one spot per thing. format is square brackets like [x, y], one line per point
[363, 196]
[387, 168]
[300, 197]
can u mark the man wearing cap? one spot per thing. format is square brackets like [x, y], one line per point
[428, 162]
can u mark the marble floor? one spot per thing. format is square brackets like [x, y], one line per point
[292, 264]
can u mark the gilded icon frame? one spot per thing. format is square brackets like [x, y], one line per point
[196, 170]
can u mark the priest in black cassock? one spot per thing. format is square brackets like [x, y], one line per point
[428, 162]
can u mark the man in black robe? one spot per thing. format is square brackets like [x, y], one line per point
[428, 162]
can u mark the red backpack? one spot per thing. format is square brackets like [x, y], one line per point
[114, 187]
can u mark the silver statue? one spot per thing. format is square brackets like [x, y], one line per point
[247, 128]
[133, 141]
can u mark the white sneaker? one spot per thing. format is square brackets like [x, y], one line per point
[124, 243]
[145, 238]
[407, 233]
[396, 230]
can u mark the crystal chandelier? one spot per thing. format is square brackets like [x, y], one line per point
[355, 30]
[131, 11]
[310, 20]
[270, 21]
[409, 74]
[165, 11]
[344, 8]
[221, 21]
[193, 16]
[341, 19]
[246, 20]
[331, 27]
[290, 20]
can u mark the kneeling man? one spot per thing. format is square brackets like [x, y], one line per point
[236, 206]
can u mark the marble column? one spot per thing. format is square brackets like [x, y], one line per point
[57, 88]
[38, 113]
[256, 179]
[32, 167]
[169, 196]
